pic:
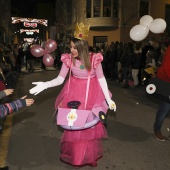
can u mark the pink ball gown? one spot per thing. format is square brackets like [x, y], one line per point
[82, 147]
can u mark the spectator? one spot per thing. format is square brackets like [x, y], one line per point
[106, 62]
[119, 68]
[15, 53]
[163, 73]
[150, 59]
[6, 92]
[112, 62]
[8, 108]
[9, 58]
[136, 59]
[148, 46]
[125, 61]
[30, 59]
[19, 59]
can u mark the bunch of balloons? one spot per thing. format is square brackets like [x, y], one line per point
[140, 31]
[45, 50]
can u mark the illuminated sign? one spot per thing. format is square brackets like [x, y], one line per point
[29, 31]
[30, 24]
[29, 40]
[16, 20]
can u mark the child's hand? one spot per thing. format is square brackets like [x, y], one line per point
[8, 91]
[29, 102]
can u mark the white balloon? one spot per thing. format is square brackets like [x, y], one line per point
[157, 26]
[139, 32]
[146, 20]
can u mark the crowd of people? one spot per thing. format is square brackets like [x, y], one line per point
[11, 63]
[126, 62]
[14, 57]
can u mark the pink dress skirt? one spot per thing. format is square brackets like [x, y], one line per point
[82, 147]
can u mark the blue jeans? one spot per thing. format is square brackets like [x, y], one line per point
[161, 114]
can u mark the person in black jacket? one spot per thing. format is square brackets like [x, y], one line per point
[30, 59]
[136, 62]
[125, 61]
[19, 59]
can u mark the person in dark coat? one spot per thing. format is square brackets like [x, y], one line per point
[112, 62]
[19, 59]
[136, 62]
[125, 61]
[30, 59]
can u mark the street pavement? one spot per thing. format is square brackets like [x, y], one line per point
[34, 137]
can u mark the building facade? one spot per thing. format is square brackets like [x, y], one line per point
[5, 21]
[112, 20]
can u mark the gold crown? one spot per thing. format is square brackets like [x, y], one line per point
[81, 31]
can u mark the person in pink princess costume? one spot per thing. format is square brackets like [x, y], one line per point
[81, 147]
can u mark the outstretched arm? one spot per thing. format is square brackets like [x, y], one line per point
[14, 106]
[104, 87]
[40, 86]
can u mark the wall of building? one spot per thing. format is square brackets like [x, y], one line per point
[158, 8]
[128, 17]
[112, 36]
[78, 11]
[5, 21]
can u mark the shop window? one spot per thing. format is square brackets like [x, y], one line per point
[106, 8]
[115, 8]
[88, 8]
[99, 41]
[106, 12]
[96, 11]
[97, 5]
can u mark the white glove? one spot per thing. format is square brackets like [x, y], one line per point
[112, 105]
[103, 85]
[40, 86]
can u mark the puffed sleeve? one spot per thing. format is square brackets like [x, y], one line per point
[66, 59]
[97, 59]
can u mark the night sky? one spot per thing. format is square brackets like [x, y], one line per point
[26, 8]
